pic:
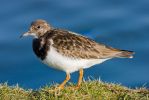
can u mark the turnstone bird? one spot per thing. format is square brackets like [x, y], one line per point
[69, 51]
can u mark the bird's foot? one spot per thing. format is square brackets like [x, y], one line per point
[56, 89]
[61, 87]
[74, 87]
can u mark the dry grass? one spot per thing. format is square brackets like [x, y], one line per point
[90, 90]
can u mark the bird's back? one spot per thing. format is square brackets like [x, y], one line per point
[77, 46]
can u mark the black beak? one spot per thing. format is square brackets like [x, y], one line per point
[25, 34]
[21, 36]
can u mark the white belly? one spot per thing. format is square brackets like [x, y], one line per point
[67, 64]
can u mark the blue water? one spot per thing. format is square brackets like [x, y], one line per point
[119, 23]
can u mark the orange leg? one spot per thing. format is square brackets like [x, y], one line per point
[80, 78]
[61, 86]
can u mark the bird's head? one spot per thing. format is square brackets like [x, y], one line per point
[37, 29]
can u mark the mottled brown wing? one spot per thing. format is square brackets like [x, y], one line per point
[77, 46]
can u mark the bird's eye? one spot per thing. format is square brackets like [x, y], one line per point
[38, 27]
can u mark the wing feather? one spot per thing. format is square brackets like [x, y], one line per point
[78, 46]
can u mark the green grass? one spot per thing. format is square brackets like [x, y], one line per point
[90, 90]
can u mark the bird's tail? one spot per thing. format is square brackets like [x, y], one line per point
[125, 54]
